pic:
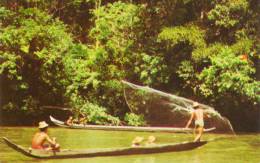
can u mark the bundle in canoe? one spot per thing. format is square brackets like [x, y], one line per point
[104, 152]
[125, 128]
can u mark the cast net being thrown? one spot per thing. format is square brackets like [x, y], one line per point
[164, 109]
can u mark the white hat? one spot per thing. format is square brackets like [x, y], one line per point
[43, 124]
[151, 139]
[138, 140]
[195, 104]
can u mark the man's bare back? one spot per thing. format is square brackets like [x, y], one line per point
[198, 114]
[38, 140]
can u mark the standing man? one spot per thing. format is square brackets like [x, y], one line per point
[198, 116]
[39, 139]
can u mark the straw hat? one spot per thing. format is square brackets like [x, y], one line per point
[137, 140]
[43, 124]
[151, 139]
[195, 104]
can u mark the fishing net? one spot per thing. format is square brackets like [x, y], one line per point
[163, 109]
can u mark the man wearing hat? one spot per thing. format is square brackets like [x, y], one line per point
[197, 115]
[39, 139]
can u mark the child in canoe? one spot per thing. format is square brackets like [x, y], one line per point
[39, 139]
[80, 120]
[69, 122]
[139, 141]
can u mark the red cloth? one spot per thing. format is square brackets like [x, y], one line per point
[45, 146]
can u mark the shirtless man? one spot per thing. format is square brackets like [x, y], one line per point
[69, 122]
[198, 116]
[41, 137]
[82, 119]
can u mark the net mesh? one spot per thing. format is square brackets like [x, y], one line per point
[163, 109]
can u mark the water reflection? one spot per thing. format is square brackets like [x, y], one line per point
[196, 158]
[145, 160]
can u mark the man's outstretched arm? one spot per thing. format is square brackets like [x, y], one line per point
[191, 118]
[52, 142]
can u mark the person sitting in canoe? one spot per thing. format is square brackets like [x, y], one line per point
[82, 119]
[150, 140]
[197, 115]
[39, 139]
[69, 122]
[137, 141]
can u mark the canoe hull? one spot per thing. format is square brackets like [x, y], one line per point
[126, 128]
[105, 152]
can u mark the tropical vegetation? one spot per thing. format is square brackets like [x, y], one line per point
[74, 53]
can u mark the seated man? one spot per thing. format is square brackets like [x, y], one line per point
[82, 118]
[150, 140]
[69, 122]
[39, 139]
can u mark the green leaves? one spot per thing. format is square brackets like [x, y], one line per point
[32, 45]
[5, 16]
[134, 119]
[8, 64]
[242, 46]
[152, 69]
[95, 114]
[228, 14]
[115, 25]
[187, 72]
[54, 53]
[191, 35]
[228, 73]
[82, 67]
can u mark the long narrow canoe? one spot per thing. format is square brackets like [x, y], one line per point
[125, 128]
[41, 154]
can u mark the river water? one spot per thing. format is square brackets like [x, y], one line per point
[243, 148]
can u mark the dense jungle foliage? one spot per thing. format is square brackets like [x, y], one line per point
[74, 53]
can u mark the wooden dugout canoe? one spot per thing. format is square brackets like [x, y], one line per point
[125, 128]
[41, 154]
